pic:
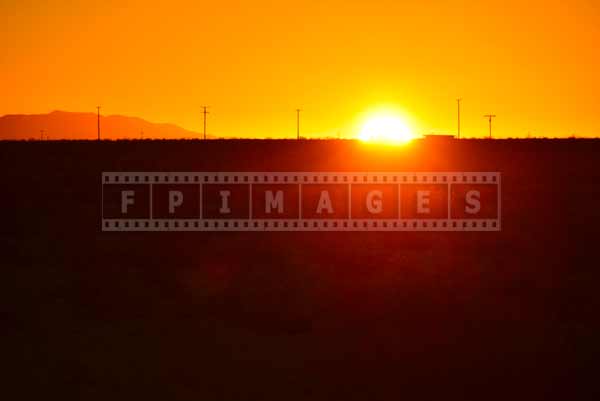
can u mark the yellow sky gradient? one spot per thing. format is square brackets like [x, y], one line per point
[535, 64]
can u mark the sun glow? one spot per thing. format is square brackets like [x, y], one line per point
[387, 129]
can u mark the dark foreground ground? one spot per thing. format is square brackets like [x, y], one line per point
[293, 316]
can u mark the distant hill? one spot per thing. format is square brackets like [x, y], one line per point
[70, 125]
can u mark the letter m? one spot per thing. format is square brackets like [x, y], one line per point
[272, 202]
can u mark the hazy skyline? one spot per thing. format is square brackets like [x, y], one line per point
[534, 65]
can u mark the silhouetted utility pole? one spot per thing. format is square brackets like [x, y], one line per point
[205, 113]
[298, 123]
[41, 135]
[489, 117]
[98, 107]
[458, 105]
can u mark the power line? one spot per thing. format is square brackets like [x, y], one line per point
[98, 107]
[458, 119]
[489, 117]
[204, 112]
[298, 123]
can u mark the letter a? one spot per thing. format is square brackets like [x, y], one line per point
[324, 203]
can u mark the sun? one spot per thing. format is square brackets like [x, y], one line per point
[388, 129]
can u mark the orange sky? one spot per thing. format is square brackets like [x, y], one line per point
[535, 64]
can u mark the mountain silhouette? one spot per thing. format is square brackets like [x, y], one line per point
[72, 125]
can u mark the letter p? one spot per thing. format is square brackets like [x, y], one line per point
[175, 200]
